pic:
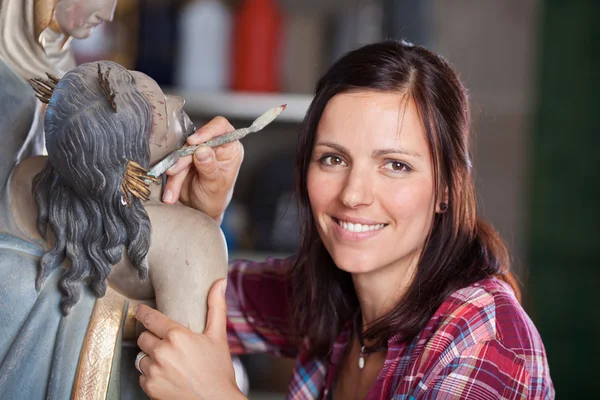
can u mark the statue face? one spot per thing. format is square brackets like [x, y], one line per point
[77, 18]
[170, 124]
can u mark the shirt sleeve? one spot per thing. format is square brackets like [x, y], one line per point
[258, 319]
[485, 370]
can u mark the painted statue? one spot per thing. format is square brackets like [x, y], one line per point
[87, 238]
[35, 39]
[35, 34]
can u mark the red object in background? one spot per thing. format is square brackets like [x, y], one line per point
[257, 37]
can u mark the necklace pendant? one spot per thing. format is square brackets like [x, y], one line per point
[361, 358]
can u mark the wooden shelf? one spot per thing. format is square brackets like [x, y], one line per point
[243, 105]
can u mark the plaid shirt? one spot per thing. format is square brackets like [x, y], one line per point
[479, 344]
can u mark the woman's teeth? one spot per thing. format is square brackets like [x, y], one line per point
[359, 227]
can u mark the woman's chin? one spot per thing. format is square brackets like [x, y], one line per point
[354, 264]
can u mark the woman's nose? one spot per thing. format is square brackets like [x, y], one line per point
[358, 189]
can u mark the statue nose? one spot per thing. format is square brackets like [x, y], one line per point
[106, 14]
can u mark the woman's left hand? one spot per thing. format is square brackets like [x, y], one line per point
[182, 364]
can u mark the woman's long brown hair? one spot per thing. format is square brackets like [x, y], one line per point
[461, 248]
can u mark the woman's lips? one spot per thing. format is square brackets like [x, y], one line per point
[354, 231]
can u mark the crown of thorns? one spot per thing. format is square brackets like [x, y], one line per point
[44, 88]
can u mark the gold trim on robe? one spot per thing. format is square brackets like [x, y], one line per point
[98, 351]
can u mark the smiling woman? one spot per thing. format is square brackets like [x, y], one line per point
[375, 177]
[399, 289]
[392, 240]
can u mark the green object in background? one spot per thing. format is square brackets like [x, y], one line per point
[564, 249]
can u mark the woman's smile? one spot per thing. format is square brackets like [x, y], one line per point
[355, 230]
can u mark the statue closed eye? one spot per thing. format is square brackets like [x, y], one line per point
[77, 18]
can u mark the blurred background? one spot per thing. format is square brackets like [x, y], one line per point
[530, 67]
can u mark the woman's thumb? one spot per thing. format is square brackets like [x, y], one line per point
[216, 321]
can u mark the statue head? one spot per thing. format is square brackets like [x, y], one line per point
[97, 124]
[77, 18]
[170, 124]
[30, 48]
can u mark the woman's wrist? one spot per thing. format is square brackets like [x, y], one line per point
[239, 396]
[230, 394]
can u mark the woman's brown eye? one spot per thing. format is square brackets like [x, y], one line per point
[332, 161]
[397, 166]
[336, 161]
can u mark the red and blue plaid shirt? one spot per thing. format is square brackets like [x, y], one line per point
[479, 344]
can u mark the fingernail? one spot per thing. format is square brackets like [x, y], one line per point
[203, 154]
[168, 196]
[223, 287]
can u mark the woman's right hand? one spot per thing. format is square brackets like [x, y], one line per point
[205, 180]
[181, 364]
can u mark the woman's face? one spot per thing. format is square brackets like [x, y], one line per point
[77, 18]
[370, 181]
[170, 124]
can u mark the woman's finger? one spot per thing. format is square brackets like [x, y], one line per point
[154, 321]
[148, 341]
[229, 152]
[216, 320]
[205, 162]
[173, 186]
[144, 364]
[180, 165]
[216, 127]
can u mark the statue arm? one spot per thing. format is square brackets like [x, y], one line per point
[188, 254]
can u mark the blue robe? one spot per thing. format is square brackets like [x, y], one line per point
[39, 348]
[21, 133]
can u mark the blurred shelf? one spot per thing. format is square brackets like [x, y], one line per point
[243, 105]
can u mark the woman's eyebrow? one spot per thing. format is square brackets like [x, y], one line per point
[334, 146]
[383, 152]
[376, 153]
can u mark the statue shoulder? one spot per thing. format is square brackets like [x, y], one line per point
[181, 219]
[176, 227]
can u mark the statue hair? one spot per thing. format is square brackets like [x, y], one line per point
[78, 192]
